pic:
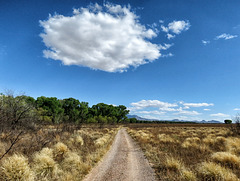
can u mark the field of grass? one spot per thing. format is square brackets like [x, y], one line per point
[52, 153]
[190, 152]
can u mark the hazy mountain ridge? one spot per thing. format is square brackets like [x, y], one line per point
[174, 120]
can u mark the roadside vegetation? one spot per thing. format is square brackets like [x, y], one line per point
[54, 153]
[51, 139]
[190, 152]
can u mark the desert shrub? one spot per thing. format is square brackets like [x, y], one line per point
[16, 167]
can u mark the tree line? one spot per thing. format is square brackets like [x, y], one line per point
[24, 109]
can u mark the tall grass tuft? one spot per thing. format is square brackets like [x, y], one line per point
[44, 165]
[191, 142]
[173, 164]
[165, 138]
[187, 175]
[59, 151]
[213, 171]
[16, 167]
[79, 140]
[227, 159]
[233, 145]
[102, 141]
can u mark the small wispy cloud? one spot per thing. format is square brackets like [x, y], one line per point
[167, 55]
[170, 36]
[226, 36]
[165, 46]
[161, 21]
[205, 42]
[219, 115]
[197, 104]
[207, 109]
[175, 27]
[236, 109]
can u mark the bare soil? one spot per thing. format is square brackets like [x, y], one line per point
[125, 161]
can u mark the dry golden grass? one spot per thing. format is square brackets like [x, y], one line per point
[59, 151]
[188, 175]
[166, 138]
[54, 154]
[213, 171]
[190, 152]
[16, 167]
[44, 165]
[226, 159]
[233, 145]
[173, 164]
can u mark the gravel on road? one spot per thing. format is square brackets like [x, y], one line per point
[125, 161]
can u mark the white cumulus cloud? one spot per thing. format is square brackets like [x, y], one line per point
[152, 103]
[176, 27]
[226, 36]
[108, 38]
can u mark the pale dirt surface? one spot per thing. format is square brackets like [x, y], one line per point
[123, 162]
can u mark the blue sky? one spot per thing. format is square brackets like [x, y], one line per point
[162, 59]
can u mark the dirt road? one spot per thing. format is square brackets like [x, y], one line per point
[124, 161]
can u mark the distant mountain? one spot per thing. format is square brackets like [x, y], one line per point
[211, 121]
[174, 120]
[140, 118]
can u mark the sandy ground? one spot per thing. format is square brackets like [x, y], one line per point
[124, 161]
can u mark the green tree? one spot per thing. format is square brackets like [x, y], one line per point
[52, 108]
[121, 113]
[71, 109]
[227, 121]
[83, 111]
[132, 120]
